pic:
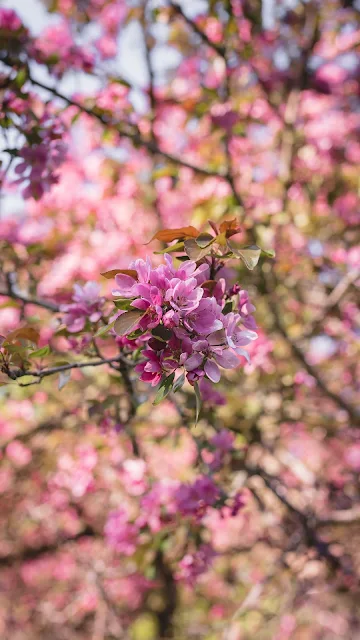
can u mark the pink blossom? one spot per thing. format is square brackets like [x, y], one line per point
[133, 476]
[87, 304]
[195, 564]
[184, 295]
[9, 20]
[194, 499]
[120, 533]
[18, 453]
[205, 319]
[223, 440]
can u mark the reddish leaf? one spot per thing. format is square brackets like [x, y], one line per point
[24, 333]
[209, 285]
[168, 235]
[230, 227]
[126, 272]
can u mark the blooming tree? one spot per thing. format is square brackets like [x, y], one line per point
[179, 322]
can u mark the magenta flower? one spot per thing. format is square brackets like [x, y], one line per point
[9, 20]
[194, 499]
[151, 370]
[236, 337]
[223, 440]
[202, 338]
[184, 295]
[120, 533]
[245, 310]
[126, 286]
[205, 319]
[188, 269]
[87, 304]
[195, 564]
[151, 301]
[206, 490]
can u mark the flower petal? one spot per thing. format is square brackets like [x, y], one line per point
[193, 362]
[227, 359]
[212, 370]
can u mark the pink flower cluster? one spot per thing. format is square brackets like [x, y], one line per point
[87, 304]
[38, 166]
[222, 443]
[43, 153]
[194, 499]
[56, 47]
[9, 20]
[160, 506]
[121, 534]
[195, 564]
[185, 320]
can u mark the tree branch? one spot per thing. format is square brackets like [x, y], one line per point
[308, 522]
[203, 37]
[12, 293]
[37, 552]
[67, 367]
[133, 135]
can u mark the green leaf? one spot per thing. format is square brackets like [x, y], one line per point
[162, 333]
[179, 383]
[135, 334]
[104, 329]
[228, 308]
[127, 322]
[269, 253]
[123, 303]
[249, 255]
[204, 240]
[164, 172]
[28, 379]
[178, 246]
[40, 353]
[62, 332]
[198, 402]
[193, 250]
[64, 377]
[21, 78]
[164, 388]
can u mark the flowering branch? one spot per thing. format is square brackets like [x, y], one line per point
[44, 373]
[12, 292]
[132, 135]
[33, 553]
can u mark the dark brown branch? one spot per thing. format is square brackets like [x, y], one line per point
[66, 367]
[307, 522]
[11, 292]
[27, 300]
[194, 27]
[298, 353]
[33, 553]
[132, 135]
[166, 615]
